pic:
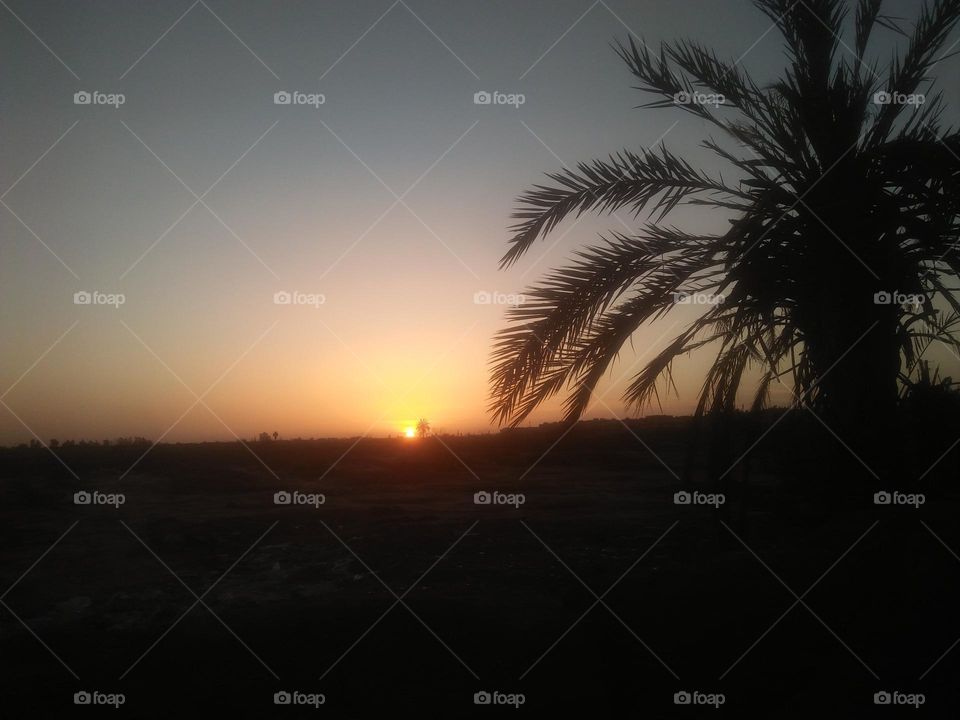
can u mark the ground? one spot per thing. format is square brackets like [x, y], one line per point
[400, 592]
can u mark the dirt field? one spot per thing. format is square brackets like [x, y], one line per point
[596, 593]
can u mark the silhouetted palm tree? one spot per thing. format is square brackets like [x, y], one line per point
[842, 195]
[423, 428]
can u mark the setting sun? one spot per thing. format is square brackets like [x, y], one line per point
[410, 432]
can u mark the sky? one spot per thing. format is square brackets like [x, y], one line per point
[382, 210]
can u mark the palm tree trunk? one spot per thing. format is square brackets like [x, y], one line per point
[858, 359]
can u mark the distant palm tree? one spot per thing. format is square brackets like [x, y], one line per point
[423, 428]
[847, 198]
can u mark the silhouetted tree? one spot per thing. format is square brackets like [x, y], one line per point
[423, 428]
[275, 434]
[848, 192]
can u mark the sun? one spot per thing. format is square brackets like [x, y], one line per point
[410, 432]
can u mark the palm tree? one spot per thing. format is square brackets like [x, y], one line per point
[423, 428]
[847, 196]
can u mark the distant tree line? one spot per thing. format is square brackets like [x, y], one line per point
[54, 443]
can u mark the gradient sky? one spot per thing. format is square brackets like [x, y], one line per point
[305, 199]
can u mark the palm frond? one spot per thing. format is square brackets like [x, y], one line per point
[660, 180]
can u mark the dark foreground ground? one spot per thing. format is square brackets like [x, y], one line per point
[598, 595]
